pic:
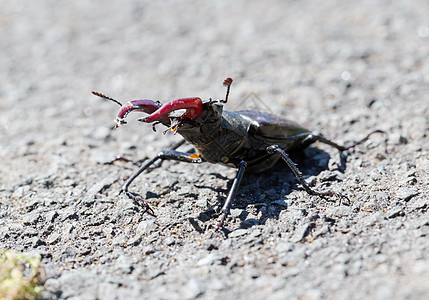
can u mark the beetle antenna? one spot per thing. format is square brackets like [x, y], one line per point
[227, 82]
[106, 97]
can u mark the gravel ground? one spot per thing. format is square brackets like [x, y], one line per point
[339, 67]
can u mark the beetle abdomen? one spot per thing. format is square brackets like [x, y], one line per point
[274, 126]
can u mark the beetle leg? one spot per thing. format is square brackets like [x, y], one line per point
[227, 205]
[122, 158]
[315, 138]
[274, 148]
[163, 155]
[138, 162]
[175, 146]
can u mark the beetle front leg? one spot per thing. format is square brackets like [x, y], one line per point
[231, 196]
[276, 149]
[138, 162]
[163, 155]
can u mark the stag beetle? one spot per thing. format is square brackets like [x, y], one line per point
[247, 140]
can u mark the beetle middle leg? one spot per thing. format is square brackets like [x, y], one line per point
[161, 156]
[276, 149]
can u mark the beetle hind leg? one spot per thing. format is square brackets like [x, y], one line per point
[276, 149]
[318, 138]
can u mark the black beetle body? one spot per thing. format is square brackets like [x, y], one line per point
[248, 140]
[230, 137]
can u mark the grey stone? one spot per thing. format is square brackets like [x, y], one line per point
[285, 247]
[322, 231]
[210, 259]
[302, 232]
[235, 212]
[68, 228]
[68, 213]
[31, 205]
[193, 289]
[135, 240]
[31, 218]
[149, 250]
[124, 265]
[237, 233]
[120, 241]
[53, 238]
[394, 212]
[328, 176]
[339, 211]
[50, 216]
[169, 241]
[405, 193]
[145, 227]
[29, 231]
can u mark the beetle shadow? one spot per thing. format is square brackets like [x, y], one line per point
[260, 195]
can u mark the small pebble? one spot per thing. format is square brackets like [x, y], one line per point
[237, 233]
[394, 212]
[53, 238]
[169, 241]
[405, 193]
[302, 232]
[210, 259]
[31, 218]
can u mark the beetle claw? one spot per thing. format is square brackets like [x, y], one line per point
[139, 199]
[332, 193]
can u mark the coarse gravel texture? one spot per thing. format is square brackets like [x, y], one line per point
[342, 68]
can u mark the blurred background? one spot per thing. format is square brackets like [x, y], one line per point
[338, 58]
[287, 52]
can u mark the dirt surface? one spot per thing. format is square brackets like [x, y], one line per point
[341, 68]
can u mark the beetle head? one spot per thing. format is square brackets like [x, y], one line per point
[187, 112]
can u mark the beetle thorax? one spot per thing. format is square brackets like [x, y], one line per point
[206, 128]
